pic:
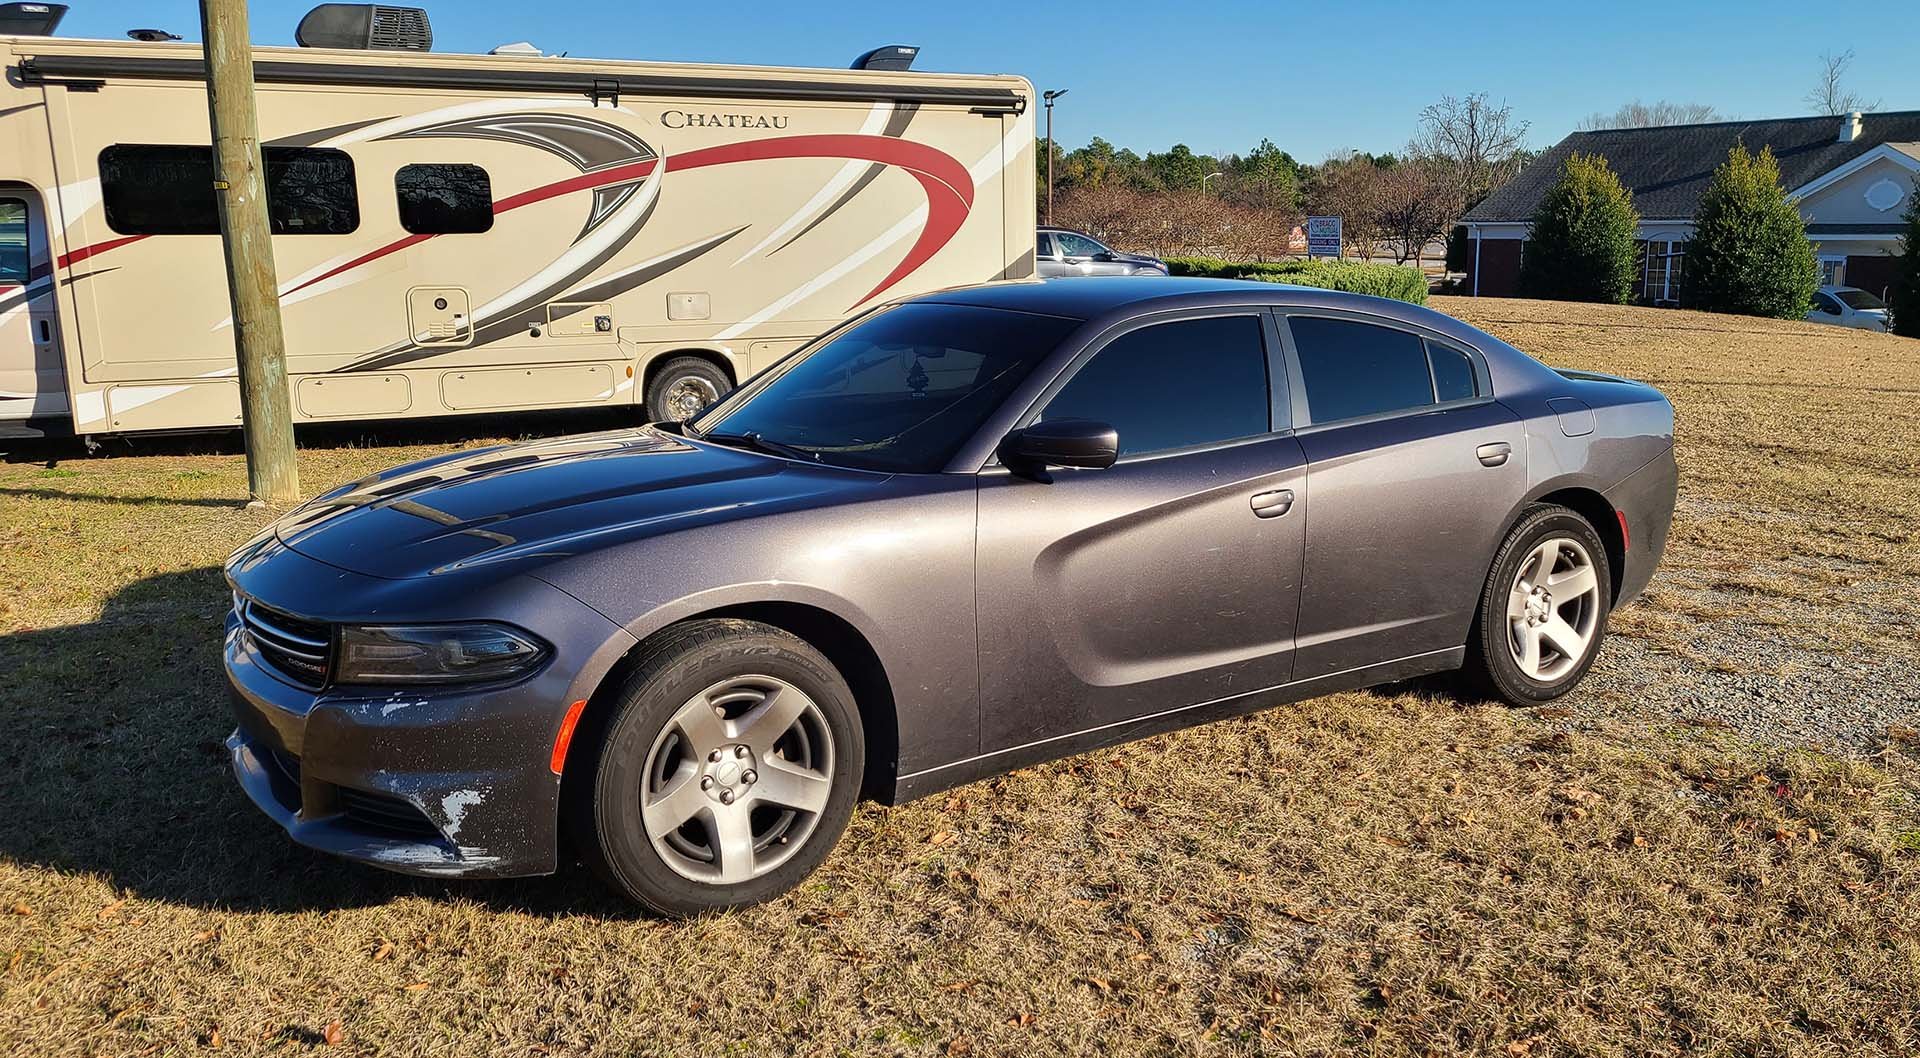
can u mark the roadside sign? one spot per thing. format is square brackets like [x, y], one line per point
[1323, 236]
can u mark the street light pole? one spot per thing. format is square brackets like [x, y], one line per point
[246, 236]
[1050, 96]
[1204, 179]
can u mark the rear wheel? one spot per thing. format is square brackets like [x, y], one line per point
[1544, 611]
[726, 772]
[683, 387]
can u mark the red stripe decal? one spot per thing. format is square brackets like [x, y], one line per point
[84, 252]
[948, 185]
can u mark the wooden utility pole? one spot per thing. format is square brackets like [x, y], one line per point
[239, 181]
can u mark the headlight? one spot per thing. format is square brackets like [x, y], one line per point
[455, 653]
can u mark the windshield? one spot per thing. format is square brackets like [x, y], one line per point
[900, 390]
[1859, 299]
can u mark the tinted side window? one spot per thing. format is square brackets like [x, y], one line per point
[1354, 369]
[167, 189]
[444, 199]
[1072, 245]
[1045, 247]
[1453, 374]
[13, 241]
[1174, 384]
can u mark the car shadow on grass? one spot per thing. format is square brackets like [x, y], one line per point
[112, 738]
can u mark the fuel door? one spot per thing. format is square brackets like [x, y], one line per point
[439, 316]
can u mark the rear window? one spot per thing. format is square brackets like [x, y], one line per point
[167, 189]
[1859, 299]
[1353, 369]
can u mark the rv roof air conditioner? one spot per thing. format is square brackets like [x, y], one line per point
[890, 57]
[365, 27]
[31, 20]
[152, 36]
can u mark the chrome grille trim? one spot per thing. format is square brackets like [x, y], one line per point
[300, 650]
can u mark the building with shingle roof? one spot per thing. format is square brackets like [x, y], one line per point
[1853, 175]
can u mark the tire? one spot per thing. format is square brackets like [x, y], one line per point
[684, 385]
[1565, 619]
[791, 784]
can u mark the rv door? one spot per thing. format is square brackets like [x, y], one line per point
[33, 391]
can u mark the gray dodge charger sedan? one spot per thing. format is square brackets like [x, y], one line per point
[959, 534]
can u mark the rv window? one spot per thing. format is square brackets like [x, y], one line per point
[164, 189]
[444, 199]
[13, 241]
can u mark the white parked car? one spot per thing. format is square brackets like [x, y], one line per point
[1848, 307]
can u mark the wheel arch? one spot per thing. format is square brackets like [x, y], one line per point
[844, 646]
[1590, 504]
[729, 362]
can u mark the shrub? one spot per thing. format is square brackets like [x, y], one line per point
[1580, 246]
[1750, 253]
[1355, 277]
[1903, 300]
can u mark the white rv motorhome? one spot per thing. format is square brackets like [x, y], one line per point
[471, 233]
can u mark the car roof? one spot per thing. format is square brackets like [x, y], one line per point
[1093, 297]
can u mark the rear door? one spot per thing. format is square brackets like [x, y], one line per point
[32, 380]
[1168, 579]
[1414, 469]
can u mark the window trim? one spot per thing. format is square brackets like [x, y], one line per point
[1279, 408]
[400, 213]
[1296, 376]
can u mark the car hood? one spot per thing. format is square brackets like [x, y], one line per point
[546, 500]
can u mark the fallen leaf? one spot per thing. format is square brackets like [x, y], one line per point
[1101, 983]
[334, 1033]
[382, 952]
[940, 838]
[960, 1045]
[205, 935]
[214, 1039]
[417, 986]
[112, 909]
[1141, 956]
[22, 909]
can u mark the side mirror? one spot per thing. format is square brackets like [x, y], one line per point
[1080, 443]
[1105, 256]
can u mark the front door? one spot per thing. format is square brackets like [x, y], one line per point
[1169, 579]
[32, 382]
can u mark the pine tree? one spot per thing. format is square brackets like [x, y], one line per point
[1580, 246]
[1750, 253]
[1903, 301]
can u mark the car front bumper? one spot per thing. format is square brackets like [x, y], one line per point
[431, 780]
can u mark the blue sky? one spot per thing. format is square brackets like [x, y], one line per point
[1218, 76]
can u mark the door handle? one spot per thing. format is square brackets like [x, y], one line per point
[1493, 454]
[1272, 504]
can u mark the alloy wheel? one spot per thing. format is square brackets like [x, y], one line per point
[1553, 609]
[736, 781]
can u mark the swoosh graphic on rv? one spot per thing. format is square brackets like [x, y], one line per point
[948, 186]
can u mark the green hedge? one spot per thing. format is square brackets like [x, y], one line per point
[1382, 281]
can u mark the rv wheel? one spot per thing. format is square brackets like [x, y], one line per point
[683, 386]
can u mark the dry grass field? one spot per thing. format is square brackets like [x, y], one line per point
[1713, 847]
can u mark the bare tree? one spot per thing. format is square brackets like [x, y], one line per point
[1481, 145]
[1829, 96]
[1414, 203]
[1350, 187]
[1638, 115]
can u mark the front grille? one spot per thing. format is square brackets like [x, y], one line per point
[299, 650]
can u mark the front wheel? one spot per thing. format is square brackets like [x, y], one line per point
[726, 771]
[1543, 613]
[683, 387]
